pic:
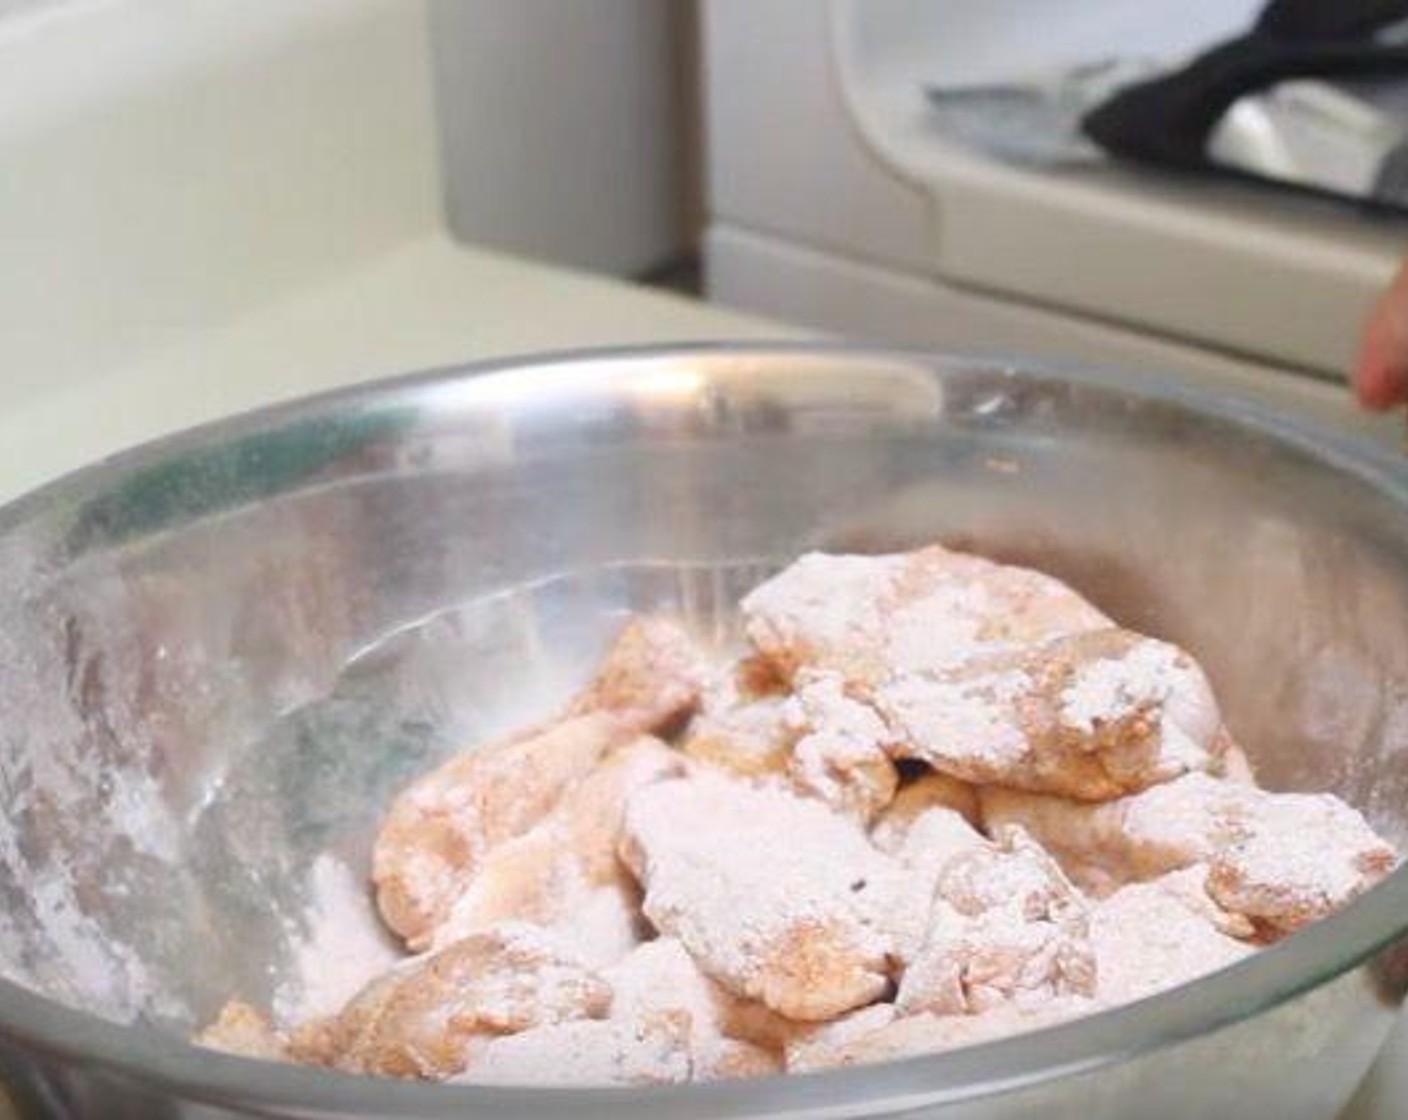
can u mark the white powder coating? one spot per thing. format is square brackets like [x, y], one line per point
[927, 1033]
[815, 1047]
[776, 897]
[871, 617]
[822, 609]
[1138, 837]
[651, 1050]
[1006, 925]
[600, 922]
[340, 948]
[966, 727]
[940, 629]
[739, 731]
[992, 674]
[660, 975]
[1279, 859]
[440, 828]
[1150, 936]
[563, 873]
[443, 826]
[426, 1017]
[526, 975]
[659, 980]
[1112, 688]
[839, 754]
[1287, 859]
[925, 835]
[1151, 677]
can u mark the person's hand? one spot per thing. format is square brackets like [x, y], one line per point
[1381, 373]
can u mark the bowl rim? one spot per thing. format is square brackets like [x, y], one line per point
[60, 1034]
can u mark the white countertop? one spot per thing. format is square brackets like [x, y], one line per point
[428, 304]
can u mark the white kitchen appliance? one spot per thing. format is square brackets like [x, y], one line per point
[837, 200]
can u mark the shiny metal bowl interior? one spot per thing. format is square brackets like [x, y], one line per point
[219, 654]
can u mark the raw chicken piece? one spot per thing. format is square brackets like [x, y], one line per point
[243, 1030]
[426, 1017]
[776, 897]
[1280, 859]
[651, 1050]
[817, 740]
[1189, 886]
[440, 828]
[1092, 716]
[812, 1046]
[909, 1035]
[1156, 935]
[740, 726]
[650, 679]
[564, 873]
[1006, 925]
[666, 1024]
[1285, 860]
[931, 790]
[661, 978]
[923, 830]
[839, 755]
[1139, 837]
[870, 618]
[990, 673]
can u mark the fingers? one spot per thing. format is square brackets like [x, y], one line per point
[1381, 372]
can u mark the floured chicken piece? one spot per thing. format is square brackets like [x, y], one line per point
[440, 829]
[740, 726]
[840, 750]
[1092, 716]
[872, 618]
[1103, 846]
[1006, 925]
[776, 897]
[650, 679]
[1288, 859]
[652, 1050]
[990, 673]
[908, 1035]
[1189, 886]
[1279, 859]
[814, 1046]
[426, 1017]
[1156, 935]
[726, 1037]
[564, 873]
[925, 828]
[243, 1030]
[666, 1024]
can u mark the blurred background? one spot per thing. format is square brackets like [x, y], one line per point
[206, 204]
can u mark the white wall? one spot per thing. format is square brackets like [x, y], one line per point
[565, 127]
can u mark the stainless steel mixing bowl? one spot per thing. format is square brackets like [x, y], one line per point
[220, 653]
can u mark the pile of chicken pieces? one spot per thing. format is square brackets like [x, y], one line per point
[937, 800]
